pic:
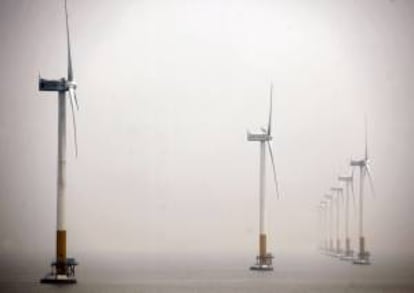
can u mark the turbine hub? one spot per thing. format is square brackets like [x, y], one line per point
[71, 84]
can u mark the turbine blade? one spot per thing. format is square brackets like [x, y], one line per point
[274, 169]
[269, 125]
[70, 71]
[366, 138]
[353, 190]
[75, 136]
[371, 182]
[75, 96]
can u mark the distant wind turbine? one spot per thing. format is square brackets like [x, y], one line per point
[364, 170]
[264, 259]
[329, 200]
[349, 187]
[63, 268]
[339, 198]
[322, 210]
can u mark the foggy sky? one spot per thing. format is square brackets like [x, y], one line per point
[167, 90]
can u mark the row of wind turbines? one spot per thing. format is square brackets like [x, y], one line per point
[334, 204]
[63, 267]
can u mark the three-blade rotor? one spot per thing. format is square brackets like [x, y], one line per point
[364, 163]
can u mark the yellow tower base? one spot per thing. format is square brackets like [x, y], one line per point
[264, 259]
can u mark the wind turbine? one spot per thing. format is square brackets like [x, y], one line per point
[63, 268]
[322, 209]
[264, 259]
[339, 192]
[363, 164]
[326, 225]
[349, 186]
[329, 200]
[319, 209]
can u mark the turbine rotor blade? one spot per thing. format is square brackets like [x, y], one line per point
[75, 99]
[352, 184]
[70, 71]
[371, 183]
[366, 138]
[353, 191]
[269, 125]
[75, 136]
[274, 169]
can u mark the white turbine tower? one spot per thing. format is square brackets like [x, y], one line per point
[325, 225]
[349, 187]
[63, 268]
[322, 213]
[329, 200]
[339, 192]
[264, 259]
[363, 164]
[319, 209]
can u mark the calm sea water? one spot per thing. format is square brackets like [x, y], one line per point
[315, 273]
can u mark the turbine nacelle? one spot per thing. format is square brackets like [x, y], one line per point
[258, 137]
[337, 189]
[360, 163]
[53, 85]
[345, 178]
[56, 85]
[328, 196]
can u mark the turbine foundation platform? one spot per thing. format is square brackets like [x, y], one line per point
[263, 263]
[58, 279]
[362, 258]
[62, 273]
[348, 255]
[326, 251]
[338, 253]
[331, 253]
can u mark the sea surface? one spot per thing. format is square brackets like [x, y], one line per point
[292, 273]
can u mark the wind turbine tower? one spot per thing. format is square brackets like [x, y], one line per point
[339, 192]
[63, 268]
[322, 210]
[329, 200]
[364, 171]
[325, 225]
[264, 259]
[349, 184]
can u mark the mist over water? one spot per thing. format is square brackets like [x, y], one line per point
[198, 273]
[164, 193]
